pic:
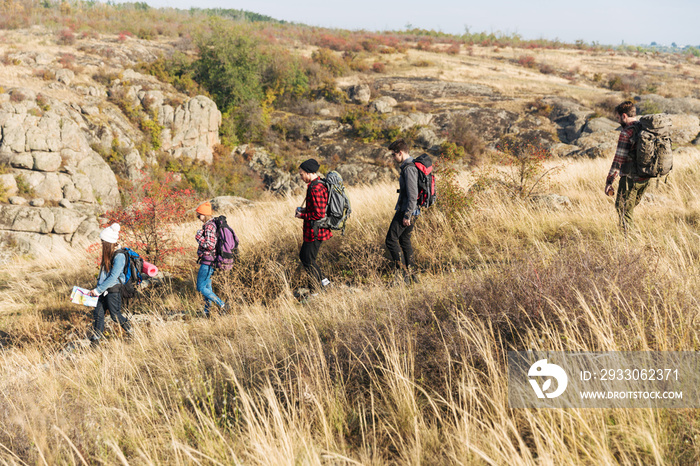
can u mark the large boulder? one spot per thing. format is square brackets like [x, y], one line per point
[229, 203]
[359, 94]
[53, 155]
[192, 129]
[26, 219]
[364, 172]
[427, 139]
[569, 116]
[685, 128]
[326, 128]
[384, 104]
[276, 180]
[490, 124]
[596, 125]
[8, 184]
[47, 161]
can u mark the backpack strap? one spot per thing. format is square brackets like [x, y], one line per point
[119, 285]
[126, 260]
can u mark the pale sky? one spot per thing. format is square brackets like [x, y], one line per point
[603, 21]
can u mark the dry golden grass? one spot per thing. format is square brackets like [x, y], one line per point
[367, 373]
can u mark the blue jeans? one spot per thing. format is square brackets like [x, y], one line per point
[204, 286]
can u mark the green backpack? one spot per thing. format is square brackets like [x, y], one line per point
[651, 141]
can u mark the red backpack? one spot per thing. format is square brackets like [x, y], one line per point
[427, 195]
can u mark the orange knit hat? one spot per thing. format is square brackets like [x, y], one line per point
[204, 208]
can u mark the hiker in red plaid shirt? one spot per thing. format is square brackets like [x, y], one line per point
[316, 202]
[631, 187]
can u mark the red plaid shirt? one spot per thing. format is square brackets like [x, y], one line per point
[316, 202]
[206, 237]
[623, 164]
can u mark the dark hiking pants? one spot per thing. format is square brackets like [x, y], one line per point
[307, 256]
[629, 193]
[112, 302]
[398, 240]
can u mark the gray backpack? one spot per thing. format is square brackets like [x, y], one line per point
[338, 209]
[652, 145]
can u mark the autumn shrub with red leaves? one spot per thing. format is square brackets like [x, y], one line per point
[153, 206]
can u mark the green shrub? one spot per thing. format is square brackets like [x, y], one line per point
[451, 151]
[153, 131]
[229, 66]
[23, 188]
[331, 62]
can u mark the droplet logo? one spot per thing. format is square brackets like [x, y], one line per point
[542, 369]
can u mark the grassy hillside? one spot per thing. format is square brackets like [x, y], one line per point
[370, 372]
[367, 373]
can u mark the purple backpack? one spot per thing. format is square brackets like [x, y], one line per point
[226, 251]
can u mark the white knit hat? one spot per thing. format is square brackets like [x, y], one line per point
[110, 234]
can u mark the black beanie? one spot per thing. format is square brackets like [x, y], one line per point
[310, 166]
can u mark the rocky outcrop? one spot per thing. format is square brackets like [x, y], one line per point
[590, 136]
[359, 94]
[276, 180]
[685, 128]
[431, 89]
[222, 204]
[489, 123]
[191, 130]
[570, 117]
[35, 230]
[50, 151]
[384, 104]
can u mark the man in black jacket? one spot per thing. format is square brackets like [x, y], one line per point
[398, 238]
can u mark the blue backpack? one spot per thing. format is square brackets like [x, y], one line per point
[133, 267]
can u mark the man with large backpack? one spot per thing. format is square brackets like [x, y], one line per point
[398, 238]
[315, 210]
[643, 151]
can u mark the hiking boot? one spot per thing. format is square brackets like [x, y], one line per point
[301, 293]
[225, 309]
[399, 278]
[411, 278]
[128, 331]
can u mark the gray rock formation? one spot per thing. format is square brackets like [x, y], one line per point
[596, 125]
[384, 104]
[192, 129]
[51, 152]
[222, 204]
[326, 128]
[9, 184]
[276, 180]
[359, 94]
[685, 128]
[36, 230]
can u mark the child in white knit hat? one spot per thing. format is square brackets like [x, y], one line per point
[109, 284]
